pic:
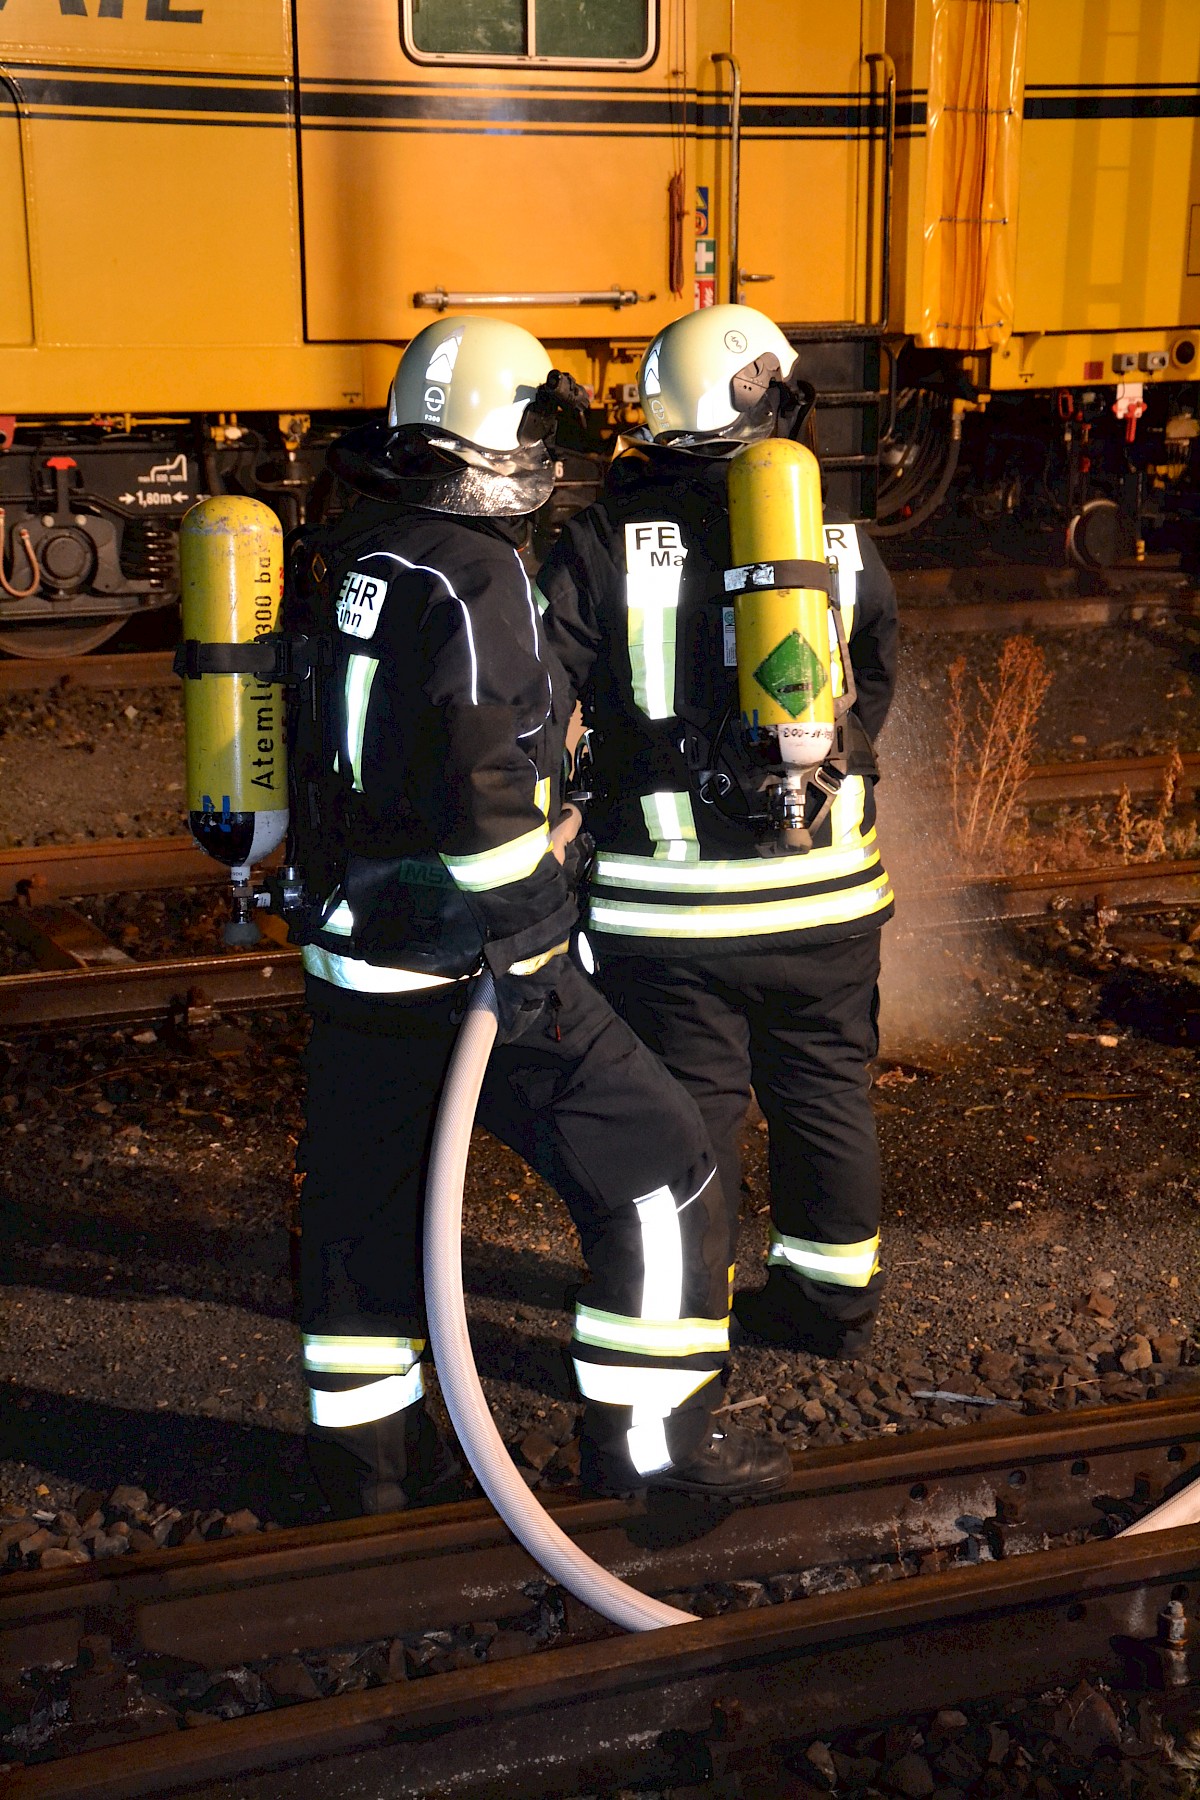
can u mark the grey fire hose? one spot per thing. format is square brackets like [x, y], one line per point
[451, 1343]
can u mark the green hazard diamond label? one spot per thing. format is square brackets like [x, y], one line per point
[793, 674]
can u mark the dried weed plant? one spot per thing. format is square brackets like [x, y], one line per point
[992, 733]
[1145, 837]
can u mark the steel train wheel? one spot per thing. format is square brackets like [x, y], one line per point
[47, 641]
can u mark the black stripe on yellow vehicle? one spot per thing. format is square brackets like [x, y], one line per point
[50, 92]
[1112, 100]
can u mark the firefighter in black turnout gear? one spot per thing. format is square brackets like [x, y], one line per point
[433, 767]
[736, 967]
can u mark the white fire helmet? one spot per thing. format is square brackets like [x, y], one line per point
[686, 377]
[471, 378]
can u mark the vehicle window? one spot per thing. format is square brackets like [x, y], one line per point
[484, 28]
[567, 30]
[591, 29]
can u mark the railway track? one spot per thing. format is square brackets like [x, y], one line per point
[83, 979]
[595, 1711]
[931, 600]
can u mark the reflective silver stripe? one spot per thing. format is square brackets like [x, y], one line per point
[628, 918]
[364, 977]
[333, 1355]
[340, 920]
[662, 1255]
[657, 1391]
[846, 813]
[427, 569]
[654, 559]
[647, 1446]
[746, 874]
[651, 1337]
[507, 862]
[672, 824]
[541, 796]
[374, 1400]
[360, 676]
[843, 1265]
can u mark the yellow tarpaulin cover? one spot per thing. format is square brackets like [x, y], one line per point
[973, 141]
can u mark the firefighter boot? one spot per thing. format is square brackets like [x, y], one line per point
[781, 1313]
[383, 1466]
[701, 1457]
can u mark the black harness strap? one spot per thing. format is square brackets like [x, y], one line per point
[272, 657]
[796, 574]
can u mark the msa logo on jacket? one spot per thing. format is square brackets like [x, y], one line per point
[359, 604]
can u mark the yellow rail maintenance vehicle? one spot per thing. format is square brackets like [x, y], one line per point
[977, 220]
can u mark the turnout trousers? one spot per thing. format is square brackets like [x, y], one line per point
[800, 1026]
[582, 1099]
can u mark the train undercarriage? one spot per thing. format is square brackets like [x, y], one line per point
[90, 510]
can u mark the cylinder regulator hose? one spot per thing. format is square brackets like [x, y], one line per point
[35, 567]
[529, 1523]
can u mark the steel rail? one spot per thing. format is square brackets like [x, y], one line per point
[138, 669]
[1044, 615]
[250, 1598]
[137, 993]
[250, 980]
[680, 1705]
[105, 866]
[131, 865]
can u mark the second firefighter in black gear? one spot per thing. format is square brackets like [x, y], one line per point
[434, 764]
[736, 968]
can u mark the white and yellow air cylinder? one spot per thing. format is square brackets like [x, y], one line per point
[231, 556]
[782, 634]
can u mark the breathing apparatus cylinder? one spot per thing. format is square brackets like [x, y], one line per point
[785, 680]
[231, 556]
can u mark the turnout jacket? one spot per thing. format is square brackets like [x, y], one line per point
[446, 716]
[637, 613]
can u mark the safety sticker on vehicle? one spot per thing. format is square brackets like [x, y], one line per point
[359, 604]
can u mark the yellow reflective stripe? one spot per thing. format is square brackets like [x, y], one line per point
[360, 676]
[842, 1265]
[529, 965]
[361, 1405]
[507, 862]
[652, 1391]
[541, 796]
[746, 874]
[340, 920]
[846, 813]
[336, 1355]
[652, 659]
[364, 977]
[672, 824]
[651, 1337]
[628, 918]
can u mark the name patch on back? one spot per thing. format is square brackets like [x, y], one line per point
[359, 604]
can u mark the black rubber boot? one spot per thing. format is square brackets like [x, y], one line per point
[384, 1466]
[780, 1313]
[725, 1464]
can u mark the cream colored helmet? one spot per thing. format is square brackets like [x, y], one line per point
[705, 375]
[472, 378]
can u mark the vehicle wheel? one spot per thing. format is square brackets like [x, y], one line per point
[48, 641]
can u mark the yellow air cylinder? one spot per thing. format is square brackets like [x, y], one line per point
[231, 557]
[782, 634]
